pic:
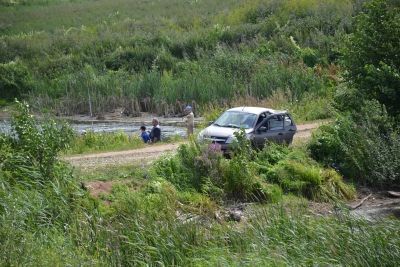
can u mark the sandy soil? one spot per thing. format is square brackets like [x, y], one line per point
[145, 155]
[140, 156]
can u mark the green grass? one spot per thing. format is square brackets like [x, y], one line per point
[49, 218]
[63, 15]
[215, 53]
[204, 53]
[92, 142]
[101, 142]
[109, 173]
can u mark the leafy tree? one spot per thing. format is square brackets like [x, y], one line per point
[372, 54]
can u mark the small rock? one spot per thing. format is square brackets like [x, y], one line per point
[235, 215]
[218, 217]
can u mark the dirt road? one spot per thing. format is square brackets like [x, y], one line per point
[147, 154]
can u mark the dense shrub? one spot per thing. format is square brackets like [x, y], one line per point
[251, 175]
[203, 169]
[40, 196]
[250, 49]
[363, 146]
[295, 173]
[15, 80]
[135, 59]
[293, 79]
[363, 143]
[143, 229]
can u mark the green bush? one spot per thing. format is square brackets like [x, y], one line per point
[249, 174]
[294, 79]
[371, 54]
[310, 181]
[363, 146]
[15, 80]
[138, 59]
[203, 169]
[91, 142]
[295, 172]
[41, 204]
[41, 145]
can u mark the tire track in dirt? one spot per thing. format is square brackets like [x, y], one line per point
[140, 156]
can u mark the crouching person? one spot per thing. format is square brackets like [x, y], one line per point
[155, 134]
[144, 134]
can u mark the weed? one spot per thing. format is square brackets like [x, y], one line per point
[97, 142]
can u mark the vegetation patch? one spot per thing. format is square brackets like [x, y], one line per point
[281, 53]
[47, 216]
[99, 142]
[363, 142]
[213, 54]
[251, 175]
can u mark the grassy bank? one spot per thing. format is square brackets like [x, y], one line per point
[195, 207]
[92, 142]
[101, 142]
[176, 212]
[112, 54]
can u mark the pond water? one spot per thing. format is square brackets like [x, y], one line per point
[109, 127]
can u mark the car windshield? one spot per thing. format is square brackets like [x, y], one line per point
[236, 119]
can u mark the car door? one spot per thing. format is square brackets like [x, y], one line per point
[289, 128]
[271, 129]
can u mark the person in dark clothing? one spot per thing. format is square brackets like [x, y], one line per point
[155, 134]
[145, 135]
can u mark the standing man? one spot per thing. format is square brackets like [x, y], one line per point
[189, 119]
[155, 134]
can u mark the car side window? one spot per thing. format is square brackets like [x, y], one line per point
[261, 118]
[275, 123]
[287, 121]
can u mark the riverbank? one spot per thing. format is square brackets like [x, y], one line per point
[116, 116]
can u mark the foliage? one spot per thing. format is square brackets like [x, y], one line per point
[363, 146]
[214, 53]
[203, 168]
[96, 142]
[251, 175]
[48, 219]
[295, 173]
[39, 195]
[156, 237]
[15, 80]
[208, 55]
[40, 145]
[371, 55]
[363, 142]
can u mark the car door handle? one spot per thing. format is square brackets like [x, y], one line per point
[280, 133]
[291, 130]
